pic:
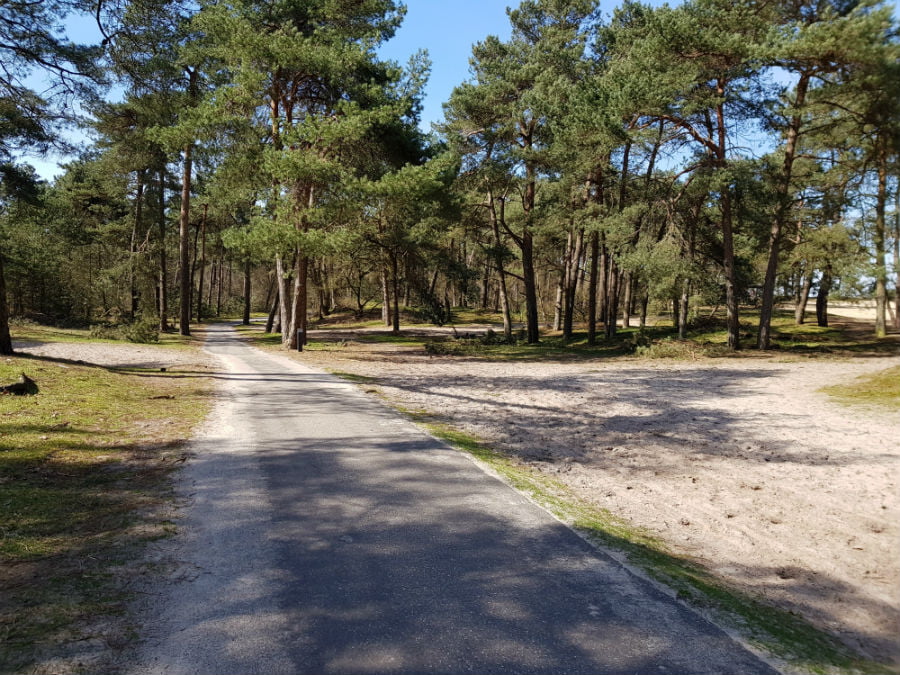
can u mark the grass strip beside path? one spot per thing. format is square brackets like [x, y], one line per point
[83, 466]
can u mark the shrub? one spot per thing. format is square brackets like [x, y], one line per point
[104, 331]
[143, 331]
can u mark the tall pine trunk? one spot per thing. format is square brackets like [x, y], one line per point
[728, 263]
[897, 258]
[526, 241]
[592, 289]
[163, 263]
[395, 292]
[498, 262]
[573, 266]
[132, 253]
[531, 300]
[879, 241]
[284, 304]
[184, 243]
[385, 298]
[6, 347]
[270, 320]
[184, 222]
[822, 297]
[202, 262]
[246, 318]
[628, 280]
[782, 210]
[803, 299]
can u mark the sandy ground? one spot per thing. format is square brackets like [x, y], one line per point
[742, 465]
[114, 355]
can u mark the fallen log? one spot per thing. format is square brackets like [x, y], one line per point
[24, 387]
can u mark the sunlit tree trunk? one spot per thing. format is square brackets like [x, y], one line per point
[6, 347]
[163, 263]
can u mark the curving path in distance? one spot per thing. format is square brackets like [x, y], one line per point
[325, 533]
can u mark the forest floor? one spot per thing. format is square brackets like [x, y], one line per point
[744, 465]
[85, 470]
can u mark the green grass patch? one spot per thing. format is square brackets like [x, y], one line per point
[28, 331]
[879, 389]
[83, 463]
[391, 338]
[464, 315]
[842, 337]
[352, 377]
[550, 347]
[776, 631]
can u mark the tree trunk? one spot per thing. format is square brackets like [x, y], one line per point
[395, 292]
[731, 296]
[284, 319]
[603, 282]
[676, 312]
[276, 303]
[612, 299]
[592, 289]
[246, 318]
[822, 297]
[498, 262]
[163, 266]
[299, 306]
[626, 302]
[560, 293]
[803, 299]
[531, 300]
[526, 241]
[219, 285]
[184, 239]
[645, 302]
[202, 262]
[573, 265]
[6, 347]
[184, 225]
[879, 241]
[781, 213]
[683, 309]
[132, 272]
[385, 299]
[485, 285]
[897, 257]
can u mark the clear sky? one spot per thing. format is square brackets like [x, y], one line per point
[447, 29]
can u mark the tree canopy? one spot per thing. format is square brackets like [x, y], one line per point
[593, 168]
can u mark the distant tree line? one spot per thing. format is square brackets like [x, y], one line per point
[264, 158]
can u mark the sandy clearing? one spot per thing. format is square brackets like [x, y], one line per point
[742, 465]
[114, 355]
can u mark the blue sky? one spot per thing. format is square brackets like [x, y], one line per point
[447, 29]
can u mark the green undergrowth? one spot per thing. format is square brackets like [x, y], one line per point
[352, 377]
[706, 339]
[880, 389]
[27, 331]
[778, 632]
[83, 465]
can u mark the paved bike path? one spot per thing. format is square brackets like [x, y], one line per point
[325, 533]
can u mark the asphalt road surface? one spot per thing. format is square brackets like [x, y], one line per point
[325, 533]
